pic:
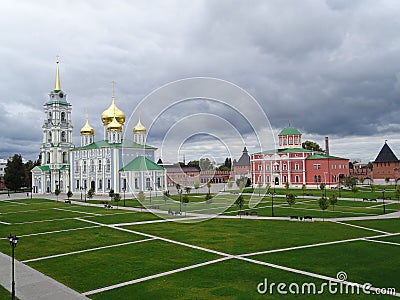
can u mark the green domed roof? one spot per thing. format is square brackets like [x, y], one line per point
[289, 131]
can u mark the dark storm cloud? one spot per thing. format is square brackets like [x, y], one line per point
[330, 67]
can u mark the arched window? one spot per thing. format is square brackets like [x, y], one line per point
[84, 166]
[91, 165]
[50, 117]
[63, 117]
[48, 157]
[49, 137]
[63, 136]
[108, 166]
[319, 178]
[99, 165]
[65, 157]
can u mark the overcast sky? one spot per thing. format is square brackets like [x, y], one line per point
[330, 67]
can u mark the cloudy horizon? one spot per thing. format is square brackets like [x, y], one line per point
[330, 68]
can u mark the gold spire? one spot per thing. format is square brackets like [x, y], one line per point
[113, 111]
[57, 87]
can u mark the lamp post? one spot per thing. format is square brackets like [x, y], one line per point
[124, 189]
[180, 200]
[13, 239]
[85, 193]
[383, 199]
[272, 204]
[81, 192]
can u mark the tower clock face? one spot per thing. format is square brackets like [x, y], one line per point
[61, 95]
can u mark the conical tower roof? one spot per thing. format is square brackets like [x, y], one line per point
[386, 155]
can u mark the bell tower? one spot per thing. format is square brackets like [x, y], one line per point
[57, 138]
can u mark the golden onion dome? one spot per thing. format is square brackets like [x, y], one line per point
[139, 128]
[111, 112]
[87, 129]
[114, 125]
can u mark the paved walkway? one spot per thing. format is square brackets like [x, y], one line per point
[33, 285]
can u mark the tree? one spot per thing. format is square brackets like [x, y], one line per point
[333, 200]
[90, 193]
[194, 163]
[209, 187]
[57, 192]
[14, 177]
[228, 163]
[117, 198]
[309, 145]
[205, 164]
[303, 188]
[223, 168]
[240, 202]
[323, 204]
[185, 200]
[230, 184]
[287, 187]
[29, 165]
[111, 194]
[291, 199]
[322, 187]
[197, 186]
[188, 189]
[397, 192]
[177, 186]
[354, 189]
[373, 188]
[350, 181]
[69, 194]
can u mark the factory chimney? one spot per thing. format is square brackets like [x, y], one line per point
[327, 145]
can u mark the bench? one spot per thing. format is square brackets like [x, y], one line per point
[307, 218]
[107, 206]
[292, 218]
[68, 201]
[370, 200]
[241, 212]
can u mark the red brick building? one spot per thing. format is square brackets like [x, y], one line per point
[295, 165]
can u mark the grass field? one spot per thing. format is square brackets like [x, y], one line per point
[126, 254]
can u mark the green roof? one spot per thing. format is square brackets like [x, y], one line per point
[106, 144]
[289, 131]
[44, 168]
[141, 163]
[323, 156]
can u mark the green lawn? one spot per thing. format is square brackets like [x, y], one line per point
[49, 228]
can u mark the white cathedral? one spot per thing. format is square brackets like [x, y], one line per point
[114, 163]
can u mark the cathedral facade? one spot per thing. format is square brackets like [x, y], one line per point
[112, 163]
